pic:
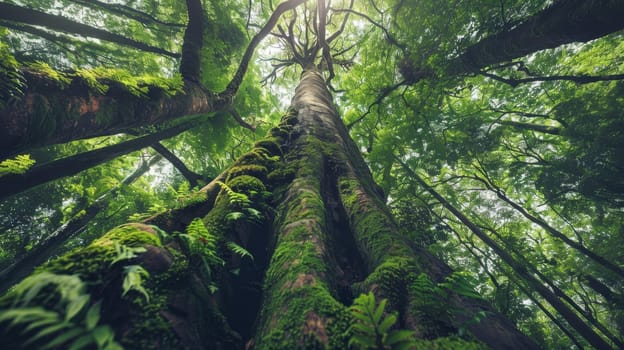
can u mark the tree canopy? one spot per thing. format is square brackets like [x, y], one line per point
[493, 131]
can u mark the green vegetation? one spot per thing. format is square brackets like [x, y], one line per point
[396, 174]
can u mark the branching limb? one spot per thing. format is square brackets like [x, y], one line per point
[127, 11]
[377, 101]
[579, 79]
[234, 84]
[240, 120]
[389, 37]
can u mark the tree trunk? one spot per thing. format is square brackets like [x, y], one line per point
[335, 238]
[332, 238]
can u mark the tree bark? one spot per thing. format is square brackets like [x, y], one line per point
[29, 16]
[15, 183]
[564, 22]
[48, 115]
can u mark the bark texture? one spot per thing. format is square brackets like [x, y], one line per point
[49, 113]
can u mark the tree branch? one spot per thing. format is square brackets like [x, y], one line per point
[19, 14]
[579, 79]
[234, 84]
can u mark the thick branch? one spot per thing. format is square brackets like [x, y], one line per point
[563, 22]
[189, 175]
[24, 15]
[126, 11]
[16, 183]
[193, 41]
[553, 130]
[48, 115]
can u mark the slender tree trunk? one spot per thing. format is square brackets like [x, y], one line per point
[192, 177]
[472, 247]
[549, 229]
[519, 268]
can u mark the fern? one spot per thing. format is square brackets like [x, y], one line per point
[69, 323]
[235, 198]
[19, 165]
[371, 329]
[133, 280]
[202, 246]
[126, 253]
[242, 252]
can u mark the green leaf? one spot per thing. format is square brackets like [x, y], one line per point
[47, 331]
[239, 250]
[93, 316]
[75, 306]
[379, 312]
[399, 336]
[103, 335]
[385, 325]
[63, 338]
[81, 342]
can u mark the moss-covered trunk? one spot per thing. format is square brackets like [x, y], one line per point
[304, 204]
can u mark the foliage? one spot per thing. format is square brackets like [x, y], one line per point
[70, 320]
[202, 247]
[18, 165]
[372, 327]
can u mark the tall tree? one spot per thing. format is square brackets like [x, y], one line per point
[293, 245]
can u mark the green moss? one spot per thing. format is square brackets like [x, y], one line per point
[273, 145]
[282, 131]
[254, 170]
[91, 263]
[41, 68]
[290, 118]
[246, 184]
[257, 156]
[374, 229]
[148, 329]
[283, 175]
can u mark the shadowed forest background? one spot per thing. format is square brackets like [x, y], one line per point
[374, 174]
